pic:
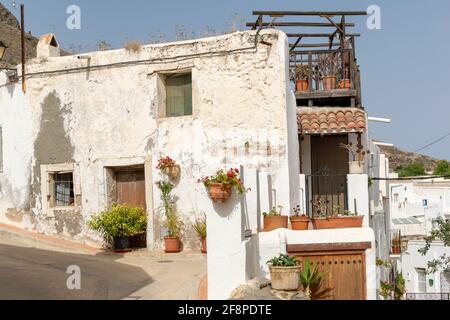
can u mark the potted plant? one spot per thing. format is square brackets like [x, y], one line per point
[120, 223]
[301, 77]
[358, 154]
[172, 221]
[200, 228]
[169, 167]
[337, 220]
[284, 273]
[174, 225]
[345, 84]
[275, 220]
[328, 69]
[299, 221]
[221, 184]
[310, 278]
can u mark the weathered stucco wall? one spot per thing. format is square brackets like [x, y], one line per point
[109, 116]
[15, 174]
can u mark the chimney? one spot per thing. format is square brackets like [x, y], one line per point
[48, 46]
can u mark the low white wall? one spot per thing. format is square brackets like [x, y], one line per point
[269, 246]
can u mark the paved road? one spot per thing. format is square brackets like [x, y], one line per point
[29, 273]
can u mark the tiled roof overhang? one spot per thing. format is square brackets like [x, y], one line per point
[331, 120]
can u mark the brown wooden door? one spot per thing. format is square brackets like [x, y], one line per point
[345, 275]
[329, 168]
[131, 188]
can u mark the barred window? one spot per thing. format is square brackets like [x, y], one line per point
[63, 194]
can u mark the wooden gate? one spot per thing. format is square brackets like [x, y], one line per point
[344, 266]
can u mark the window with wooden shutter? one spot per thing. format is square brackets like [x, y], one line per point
[178, 95]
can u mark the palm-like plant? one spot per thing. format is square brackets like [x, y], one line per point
[310, 277]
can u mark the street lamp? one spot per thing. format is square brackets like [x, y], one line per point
[2, 50]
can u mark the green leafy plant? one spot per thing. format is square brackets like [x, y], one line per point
[399, 287]
[173, 221]
[301, 72]
[442, 168]
[310, 278]
[230, 177]
[283, 261]
[121, 221]
[200, 227]
[386, 289]
[273, 212]
[413, 170]
[174, 225]
[442, 233]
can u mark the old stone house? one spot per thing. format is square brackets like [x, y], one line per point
[89, 130]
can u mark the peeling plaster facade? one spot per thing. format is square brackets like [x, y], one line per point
[89, 120]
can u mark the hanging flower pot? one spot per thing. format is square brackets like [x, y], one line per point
[220, 185]
[219, 192]
[173, 171]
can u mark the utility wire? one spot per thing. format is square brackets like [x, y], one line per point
[432, 143]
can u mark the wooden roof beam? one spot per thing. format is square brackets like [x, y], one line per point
[310, 13]
[298, 24]
[318, 35]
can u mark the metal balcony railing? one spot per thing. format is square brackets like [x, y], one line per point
[428, 296]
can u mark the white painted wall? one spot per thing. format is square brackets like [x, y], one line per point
[358, 195]
[406, 200]
[16, 122]
[412, 260]
[241, 107]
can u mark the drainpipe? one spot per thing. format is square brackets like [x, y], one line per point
[283, 242]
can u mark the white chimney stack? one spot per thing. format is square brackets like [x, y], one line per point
[48, 46]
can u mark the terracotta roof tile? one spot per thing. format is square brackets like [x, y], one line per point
[331, 120]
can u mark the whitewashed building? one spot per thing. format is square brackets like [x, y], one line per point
[88, 123]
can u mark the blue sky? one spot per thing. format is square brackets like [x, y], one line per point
[404, 66]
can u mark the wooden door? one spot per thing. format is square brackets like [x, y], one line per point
[329, 168]
[345, 277]
[130, 186]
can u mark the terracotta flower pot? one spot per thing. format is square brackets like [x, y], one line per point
[300, 223]
[338, 222]
[285, 278]
[345, 84]
[302, 85]
[275, 222]
[172, 244]
[204, 245]
[219, 192]
[173, 171]
[329, 82]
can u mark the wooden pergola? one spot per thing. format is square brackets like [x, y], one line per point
[336, 20]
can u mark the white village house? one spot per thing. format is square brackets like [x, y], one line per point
[414, 207]
[91, 124]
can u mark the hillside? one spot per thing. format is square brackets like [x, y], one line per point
[398, 157]
[10, 36]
